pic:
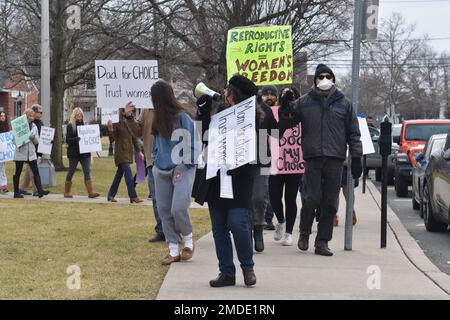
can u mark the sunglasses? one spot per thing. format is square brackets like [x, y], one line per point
[323, 76]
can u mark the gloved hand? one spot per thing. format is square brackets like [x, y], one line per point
[356, 168]
[286, 100]
[204, 105]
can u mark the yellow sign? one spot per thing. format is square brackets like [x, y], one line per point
[262, 54]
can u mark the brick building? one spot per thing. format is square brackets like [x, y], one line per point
[16, 95]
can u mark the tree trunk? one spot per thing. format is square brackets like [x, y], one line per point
[57, 82]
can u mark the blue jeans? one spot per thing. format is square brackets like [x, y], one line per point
[235, 220]
[123, 169]
[151, 188]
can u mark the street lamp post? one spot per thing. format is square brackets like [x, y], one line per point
[45, 61]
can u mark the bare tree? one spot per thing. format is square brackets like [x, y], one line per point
[200, 28]
[107, 28]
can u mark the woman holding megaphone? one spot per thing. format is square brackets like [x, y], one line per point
[231, 215]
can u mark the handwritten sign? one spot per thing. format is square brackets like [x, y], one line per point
[7, 147]
[89, 138]
[110, 114]
[262, 54]
[366, 139]
[45, 140]
[21, 130]
[232, 138]
[121, 81]
[287, 155]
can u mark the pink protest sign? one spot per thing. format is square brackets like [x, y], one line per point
[287, 156]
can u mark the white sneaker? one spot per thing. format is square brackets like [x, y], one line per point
[279, 231]
[287, 240]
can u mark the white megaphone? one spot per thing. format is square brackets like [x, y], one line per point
[201, 89]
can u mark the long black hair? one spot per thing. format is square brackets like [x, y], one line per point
[167, 107]
[4, 125]
[239, 96]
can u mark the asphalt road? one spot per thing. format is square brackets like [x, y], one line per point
[436, 246]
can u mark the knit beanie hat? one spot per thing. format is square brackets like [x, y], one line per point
[269, 89]
[323, 68]
[244, 84]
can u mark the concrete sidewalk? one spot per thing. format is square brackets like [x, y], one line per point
[287, 273]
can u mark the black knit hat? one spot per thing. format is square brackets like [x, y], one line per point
[244, 84]
[269, 89]
[323, 68]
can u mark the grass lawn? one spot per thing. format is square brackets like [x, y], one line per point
[102, 173]
[40, 240]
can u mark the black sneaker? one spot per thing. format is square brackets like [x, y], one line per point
[223, 280]
[44, 193]
[18, 196]
[249, 277]
[323, 251]
[25, 193]
[269, 226]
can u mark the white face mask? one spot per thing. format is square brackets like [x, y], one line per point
[325, 84]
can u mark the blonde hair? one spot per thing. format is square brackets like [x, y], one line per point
[28, 112]
[73, 121]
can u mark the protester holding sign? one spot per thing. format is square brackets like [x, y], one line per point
[26, 153]
[230, 214]
[287, 168]
[75, 157]
[124, 139]
[28, 178]
[4, 128]
[329, 124]
[260, 196]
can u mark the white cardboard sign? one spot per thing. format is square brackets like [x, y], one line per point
[232, 138]
[366, 139]
[89, 138]
[110, 114]
[121, 81]
[45, 140]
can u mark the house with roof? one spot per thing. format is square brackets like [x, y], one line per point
[16, 94]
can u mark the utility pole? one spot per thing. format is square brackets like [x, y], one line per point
[365, 28]
[355, 98]
[45, 62]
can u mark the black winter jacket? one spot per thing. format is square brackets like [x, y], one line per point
[329, 124]
[39, 124]
[73, 147]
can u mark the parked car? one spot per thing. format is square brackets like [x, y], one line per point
[437, 190]
[374, 160]
[435, 144]
[413, 136]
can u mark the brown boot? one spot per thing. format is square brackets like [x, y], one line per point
[67, 188]
[90, 190]
[354, 218]
[336, 221]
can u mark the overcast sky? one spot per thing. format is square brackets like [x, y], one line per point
[432, 17]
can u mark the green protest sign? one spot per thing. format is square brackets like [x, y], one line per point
[262, 54]
[21, 130]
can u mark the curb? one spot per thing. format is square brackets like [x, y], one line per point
[410, 247]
